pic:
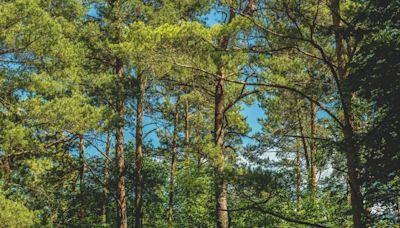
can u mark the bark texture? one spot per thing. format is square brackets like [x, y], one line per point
[173, 160]
[221, 184]
[116, 19]
[104, 209]
[220, 181]
[304, 144]
[120, 163]
[139, 154]
[313, 152]
[187, 132]
[350, 146]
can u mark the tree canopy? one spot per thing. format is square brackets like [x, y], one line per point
[195, 113]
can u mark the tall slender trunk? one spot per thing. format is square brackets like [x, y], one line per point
[83, 165]
[139, 154]
[350, 148]
[82, 173]
[187, 132]
[120, 155]
[220, 181]
[221, 184]
[356, 198]
[120, 162]
[104, 209]
[298, 175]
[122, 221]
[313, 152]
[305, 148]
[173, 158]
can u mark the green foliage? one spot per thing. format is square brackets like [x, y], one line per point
[10, 209]
[59, 85]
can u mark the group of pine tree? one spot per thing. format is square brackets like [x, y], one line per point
[199, 113]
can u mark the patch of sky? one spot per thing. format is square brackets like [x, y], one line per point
[214, 17]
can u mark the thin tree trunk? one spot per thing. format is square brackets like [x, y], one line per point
[357, 204]
[83, 166]
[221, 183]
[313, 159]
[139, 154]
[120, 162]
[122, 221]
[82, 173]
[298, 175]
[220, 180]
[351, 148]
[304, 144]
[120, 155]
[104, 210]
[173, 158]
[187, 132]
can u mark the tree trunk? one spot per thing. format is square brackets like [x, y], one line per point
[119, 153]
[116, 20]
[305, 148]
[351, 148]
[83, 166]
[357, 204]
[120, 162]
[139, 154]
[313, 159]
[173, 158]
[221, 184]
[298, 175]
[105, 210]
[187, 133]
[220, 181]
[82, 173]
